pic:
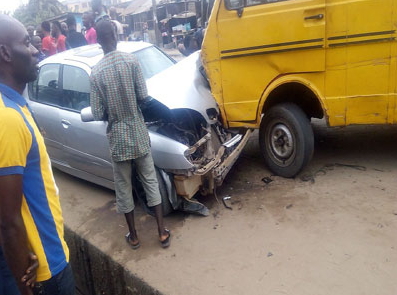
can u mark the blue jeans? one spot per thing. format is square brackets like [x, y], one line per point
[60, 284]
[8, 286]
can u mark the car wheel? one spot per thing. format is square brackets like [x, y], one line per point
[141, 195]
[286, 139]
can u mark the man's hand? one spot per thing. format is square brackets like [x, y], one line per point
[30, 275]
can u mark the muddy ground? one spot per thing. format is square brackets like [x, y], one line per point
[331, 230]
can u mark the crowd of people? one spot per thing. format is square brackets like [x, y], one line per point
[53, 37]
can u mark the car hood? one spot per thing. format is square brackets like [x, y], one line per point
[182, 86]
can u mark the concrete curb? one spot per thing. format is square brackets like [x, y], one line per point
[96, 272]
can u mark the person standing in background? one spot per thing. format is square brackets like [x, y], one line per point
[99, 11]
[88, 22]
[39, 32]
[46, 39]
[64, 29]
[30, 30]
[56, 42]
[119, 26]
[36, 42]
[74, 39]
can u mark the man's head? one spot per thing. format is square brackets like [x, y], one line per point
[55, 28]
[30, 30]
[96, 6]
[39, 32]
[18, 58]
[71, 22]
[45, 25]
[106, 35]
[36, 42]
[88, 19]
[64, 28]
[113, 12]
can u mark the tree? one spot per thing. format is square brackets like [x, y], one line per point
[36, 11]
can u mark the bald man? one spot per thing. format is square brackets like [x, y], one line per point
[30, 213]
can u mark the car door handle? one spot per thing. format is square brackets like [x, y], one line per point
[317, 16]
[66, 123]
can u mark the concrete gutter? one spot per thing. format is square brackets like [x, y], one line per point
[97, 273]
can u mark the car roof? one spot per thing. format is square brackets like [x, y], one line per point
[91, 54]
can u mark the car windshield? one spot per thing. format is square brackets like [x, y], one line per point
[152, 61]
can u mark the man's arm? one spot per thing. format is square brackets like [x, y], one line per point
[45, 46]
[139, 83]
[12, 228]
[96, 101]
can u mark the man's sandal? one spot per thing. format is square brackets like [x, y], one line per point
[166, 243]
[129, 241]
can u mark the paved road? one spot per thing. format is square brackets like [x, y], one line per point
[333, 235]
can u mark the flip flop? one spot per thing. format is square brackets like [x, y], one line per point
[166, 242]
[128, 239]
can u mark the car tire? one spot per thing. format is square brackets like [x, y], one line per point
[140, 194]
[286, 139]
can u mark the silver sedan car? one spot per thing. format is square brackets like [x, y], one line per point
[191, 150]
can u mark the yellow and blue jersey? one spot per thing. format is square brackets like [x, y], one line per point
[22, 151]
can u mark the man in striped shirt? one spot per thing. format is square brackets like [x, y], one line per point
[117, 90]
[30, 213]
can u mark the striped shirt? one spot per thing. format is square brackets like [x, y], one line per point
[117, 87]
[22, 151]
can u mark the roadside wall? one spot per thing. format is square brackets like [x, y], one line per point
[97, 274]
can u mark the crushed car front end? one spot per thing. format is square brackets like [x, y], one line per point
[184, 119]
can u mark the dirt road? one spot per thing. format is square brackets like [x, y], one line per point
[331, 230]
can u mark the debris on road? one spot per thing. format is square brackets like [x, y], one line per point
[267, 179]
[224, 199]
[328, 167]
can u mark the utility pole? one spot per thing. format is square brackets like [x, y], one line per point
[155, 23]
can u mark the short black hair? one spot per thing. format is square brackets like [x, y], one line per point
[46, 26]
[105, 29]
[71, 21]
[58, 24]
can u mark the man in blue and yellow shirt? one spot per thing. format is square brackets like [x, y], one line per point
[30, 213]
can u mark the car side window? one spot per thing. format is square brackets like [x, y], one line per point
[76, 88]
[46, 88]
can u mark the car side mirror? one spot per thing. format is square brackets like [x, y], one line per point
[86, 115]
[235, 5]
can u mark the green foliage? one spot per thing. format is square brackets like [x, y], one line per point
[37, 11]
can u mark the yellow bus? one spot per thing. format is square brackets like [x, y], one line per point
[274, 65]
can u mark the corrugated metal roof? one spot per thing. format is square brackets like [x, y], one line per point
[138, 6]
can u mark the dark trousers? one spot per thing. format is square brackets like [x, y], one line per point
[8, 286]
[60, 284]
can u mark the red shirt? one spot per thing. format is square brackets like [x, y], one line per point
[52, 45]
[90, 36]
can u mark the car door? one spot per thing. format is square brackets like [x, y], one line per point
[85, 144]
[360, 36]
[393, 68]
[264, 40]
[45, 101]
